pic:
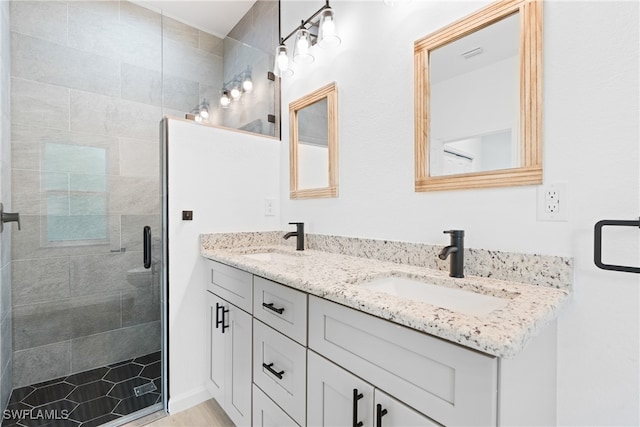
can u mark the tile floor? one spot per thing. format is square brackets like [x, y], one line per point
[86, 399]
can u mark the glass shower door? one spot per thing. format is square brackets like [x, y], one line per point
[87, 330]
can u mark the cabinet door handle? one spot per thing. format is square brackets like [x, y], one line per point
[273, 371]
[219, 320]
[356, 396]
[272, 308]
[379, 414]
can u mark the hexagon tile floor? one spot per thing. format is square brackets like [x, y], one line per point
[86, 399]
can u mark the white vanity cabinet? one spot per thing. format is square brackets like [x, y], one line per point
[336, 397]
[449, 383]
[281, 357]
[279, 346]
[229, 334]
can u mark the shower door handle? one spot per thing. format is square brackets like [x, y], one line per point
[8, 217]
[146, 242]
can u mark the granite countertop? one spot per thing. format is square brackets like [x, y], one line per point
[503, 332]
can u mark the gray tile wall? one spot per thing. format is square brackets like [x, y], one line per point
[88, 74]
[6, 342]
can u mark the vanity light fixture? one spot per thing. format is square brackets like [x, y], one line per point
[233, 89]
[200, 113]
[319, 28]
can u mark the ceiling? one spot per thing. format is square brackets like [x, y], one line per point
[217, 17]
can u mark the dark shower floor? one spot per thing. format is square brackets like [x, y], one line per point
[86, 399]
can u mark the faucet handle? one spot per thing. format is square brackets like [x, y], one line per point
[455, 233]
[296, 223]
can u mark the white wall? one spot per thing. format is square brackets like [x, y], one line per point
[223, 177]
[591, 134]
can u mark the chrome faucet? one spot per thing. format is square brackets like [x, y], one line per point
[299, 234]
[456, 251]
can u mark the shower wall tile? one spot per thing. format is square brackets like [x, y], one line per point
[40, 280]
[59, 320]
[93, 274]
[26, 192]
[210, 43]
[5, 291]
[179, 32]
[38, 364]
[114, 346]
[103, 34]
[39, 104]
[6, 348]
[142, 305]
[191, 63]
[139, 158]
[134, 195]
[140, 17]
[112, 116]
[47, 62]
[180, 94]
[45, 20]
[29, 245]
[27, 143]
[141, 85]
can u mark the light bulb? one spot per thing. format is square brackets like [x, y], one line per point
[281, 65]
[198, 118]
[327, 35]
[236, 93]
[301, 53]
[247, 85]
[224, 99]
[204, 112]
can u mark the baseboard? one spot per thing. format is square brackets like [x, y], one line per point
[187, 400]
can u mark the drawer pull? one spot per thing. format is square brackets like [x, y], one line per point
[273, 371]
[220, 321]
[379, 414]
[356, 396]
[272, 308]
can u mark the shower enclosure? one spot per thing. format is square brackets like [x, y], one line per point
[90, 82]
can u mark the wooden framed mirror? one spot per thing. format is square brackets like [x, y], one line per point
[478, 100]
[313, 149]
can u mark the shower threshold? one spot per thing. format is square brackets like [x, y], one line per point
[89, 398]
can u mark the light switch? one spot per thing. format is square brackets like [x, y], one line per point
[187, 215]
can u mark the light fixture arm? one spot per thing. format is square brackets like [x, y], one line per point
[306, 22]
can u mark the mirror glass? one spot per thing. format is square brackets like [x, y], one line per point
[313, 148]
[478, 100]
[475, 101]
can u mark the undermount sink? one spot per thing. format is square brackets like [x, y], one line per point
[450, 298]
[271, 256]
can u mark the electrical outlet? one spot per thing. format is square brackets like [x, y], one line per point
[552, 202]
[269, 207]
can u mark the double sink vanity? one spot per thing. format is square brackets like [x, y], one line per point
[325, 338]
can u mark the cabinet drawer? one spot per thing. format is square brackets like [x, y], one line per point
[449, 383]
[268, 414]
[285, 379]
[235, 286]
[281, 307]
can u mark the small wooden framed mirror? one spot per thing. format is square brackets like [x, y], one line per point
[313, 149]
[478, 100]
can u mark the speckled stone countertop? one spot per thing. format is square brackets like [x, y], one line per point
[503, 332]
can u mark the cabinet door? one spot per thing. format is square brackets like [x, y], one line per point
[238, 366]
[268, 414]
[394, 413]
[336, 397]
[215, 349]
